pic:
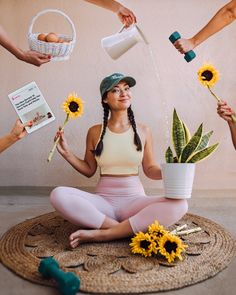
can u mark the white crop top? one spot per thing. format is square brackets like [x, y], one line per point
[119, 155]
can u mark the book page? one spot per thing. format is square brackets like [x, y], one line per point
[30, 105]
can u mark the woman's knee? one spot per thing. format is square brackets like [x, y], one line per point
[180, 207]
[177, 208]
[183, 206]
[56, 195]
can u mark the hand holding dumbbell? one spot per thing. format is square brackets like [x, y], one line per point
[68, 283]
[188, 56]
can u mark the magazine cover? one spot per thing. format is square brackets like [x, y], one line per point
[30, 105]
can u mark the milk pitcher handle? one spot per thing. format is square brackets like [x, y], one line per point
[121, 29]
[139, 30]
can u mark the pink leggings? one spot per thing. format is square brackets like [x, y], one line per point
[119, 198]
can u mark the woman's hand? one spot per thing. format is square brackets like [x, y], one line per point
[62, 146]
[18, 131]
[184, 45]
[224, 111]
[34, 58]
[126, 16]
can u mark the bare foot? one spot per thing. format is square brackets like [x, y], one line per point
[82, 236]
[121, 230]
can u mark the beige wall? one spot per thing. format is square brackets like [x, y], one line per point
[174, 85]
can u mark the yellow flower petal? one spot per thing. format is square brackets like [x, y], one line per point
[156, 230]
[208, 75]
[171, 246]
[73, 106]
[143, 244]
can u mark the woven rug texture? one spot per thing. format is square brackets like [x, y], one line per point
[110, 267]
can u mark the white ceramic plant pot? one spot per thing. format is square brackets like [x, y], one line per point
[178, 179]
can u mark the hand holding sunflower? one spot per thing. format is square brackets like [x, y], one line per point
[62, 145]
[73, 107]
[208, 76]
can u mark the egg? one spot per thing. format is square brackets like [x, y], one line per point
[42, 37]
[52, 37]
[60, 40]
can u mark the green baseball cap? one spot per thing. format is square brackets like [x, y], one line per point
[111, 81]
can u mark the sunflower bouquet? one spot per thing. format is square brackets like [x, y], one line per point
[208, 76]
[158, 241]
[73, 107]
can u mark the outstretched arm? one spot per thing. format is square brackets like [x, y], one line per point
[31, 57]
[150, 168]
[232, 127]
[226, 112]
[225, 16]
[88, 165]
[125, 15]
[16, 134]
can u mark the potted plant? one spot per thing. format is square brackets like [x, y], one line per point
[179, 169]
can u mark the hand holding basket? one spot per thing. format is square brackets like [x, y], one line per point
[59, 51]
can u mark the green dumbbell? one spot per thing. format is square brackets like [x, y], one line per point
[68, 283]
[190, 55]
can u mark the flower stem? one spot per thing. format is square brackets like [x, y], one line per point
[233, 118]
[188, 231]
[51, 153]
[178, 228]
[218, 99]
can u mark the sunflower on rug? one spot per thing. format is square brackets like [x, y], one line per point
[158, 241]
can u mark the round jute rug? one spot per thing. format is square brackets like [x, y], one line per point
[110, 267]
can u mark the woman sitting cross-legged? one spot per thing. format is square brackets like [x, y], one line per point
[119, 207]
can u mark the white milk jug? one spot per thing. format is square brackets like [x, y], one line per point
[117, 44]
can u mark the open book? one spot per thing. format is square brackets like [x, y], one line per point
[30, 105]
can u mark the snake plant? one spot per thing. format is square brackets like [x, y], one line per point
[188, 149]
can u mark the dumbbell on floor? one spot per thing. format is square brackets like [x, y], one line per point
[68, 283]
[188, 56]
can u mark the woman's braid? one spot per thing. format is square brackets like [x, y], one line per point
[137, 140]
[99, 147]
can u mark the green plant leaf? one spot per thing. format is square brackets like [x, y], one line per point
[192, 145]
[186, 133]
[178, 134]
[203, 154]
[204, 141]
[169, 156]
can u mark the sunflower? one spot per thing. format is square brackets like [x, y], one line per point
[156, 230]
[73, 106]
[170, 247]
[208, 75]
[143, 244]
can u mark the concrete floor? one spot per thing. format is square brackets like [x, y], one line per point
[18, 205]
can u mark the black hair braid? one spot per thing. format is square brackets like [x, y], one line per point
[99, 147]
[137, 140]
